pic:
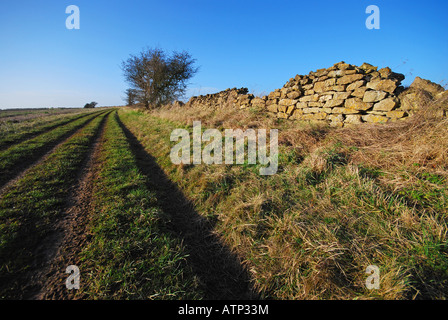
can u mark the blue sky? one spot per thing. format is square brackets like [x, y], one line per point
[255, 44]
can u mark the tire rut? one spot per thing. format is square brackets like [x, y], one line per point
[60, 248]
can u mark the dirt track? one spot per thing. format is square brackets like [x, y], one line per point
[65, 243]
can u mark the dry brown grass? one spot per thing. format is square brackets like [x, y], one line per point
[343, 199]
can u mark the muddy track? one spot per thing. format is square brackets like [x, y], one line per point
[221, 273]
[41, 154]
[46, 279]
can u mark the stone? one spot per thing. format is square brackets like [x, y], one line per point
[357, 104]
[282, 108]
[349, 78]
[342, 65]
[320, 86]
[290, 110]
[287, 102]
[385, 72]
[272, 108]
[258, 102]
[359, 92]
[330, 82]
[311, 110]
[325, 97]
[413, 99]
[338, 88]
[353, 119]
[342, 110]
[348, 72]
[367, 67]
[374, 96]
[274, 94]
[334, 103]
[336, 124]
[315, 116]
[371, 118]
[309, 92]
[314, 97]
[355, 85]
[336, 121]
[301, 105]
[293, 95]
[386, 104]
[342, 95]
[335, 73]
[442, 95]
[383, 85]
[305, 81]
[426, 85]
[315, 104]
[374, 76]
[284, 92]
[395, 114]
[321, 72]
[308, 86]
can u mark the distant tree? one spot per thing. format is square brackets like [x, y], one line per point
[131, 97]
[91, 104]
[158, 78]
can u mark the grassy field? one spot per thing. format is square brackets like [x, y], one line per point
[99, 190]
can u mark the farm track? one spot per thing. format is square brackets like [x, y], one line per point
[39, 233]
[6, 142]
[23, 164]
[219, 270]
[64, 245]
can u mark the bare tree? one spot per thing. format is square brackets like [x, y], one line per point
[158, 78]
[131, 97]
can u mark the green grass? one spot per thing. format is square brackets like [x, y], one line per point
[131, 254]
[29, 208]
[31, 150]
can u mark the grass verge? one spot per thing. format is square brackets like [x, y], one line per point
[311, 230]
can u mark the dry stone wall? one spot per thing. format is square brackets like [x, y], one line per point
[343, 94]
[227, 98]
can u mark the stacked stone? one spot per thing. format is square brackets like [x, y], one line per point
[228, 97]
[343, 94]
[419, 93]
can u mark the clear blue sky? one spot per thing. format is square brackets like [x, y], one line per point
[255, 44]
